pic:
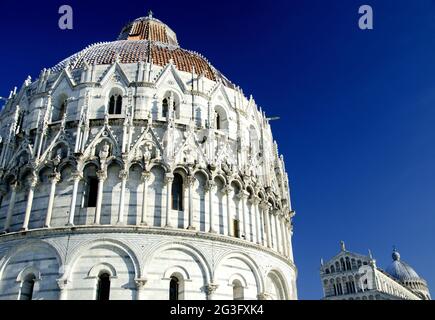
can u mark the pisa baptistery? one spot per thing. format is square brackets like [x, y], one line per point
[135, 170]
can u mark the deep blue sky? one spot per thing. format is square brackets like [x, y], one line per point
[357, 107]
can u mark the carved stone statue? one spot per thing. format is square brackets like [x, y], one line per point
[104, 152]
[58, 158]
[147, 153]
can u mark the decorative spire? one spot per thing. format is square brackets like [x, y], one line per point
[106, 118]
[150, 14]
[343, 246]
[28, 81]
[396, 254]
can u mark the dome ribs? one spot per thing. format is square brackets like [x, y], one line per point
[149, 29]
[183, 60]
[137, 30]
[133, 51]
[158, 33]
[145, 39]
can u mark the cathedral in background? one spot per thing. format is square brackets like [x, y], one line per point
[352, 276]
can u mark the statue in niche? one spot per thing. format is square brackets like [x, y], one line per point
[189, 155]
[147, 153]
[22, 161]
[225, 167]
[58, 158]
[104, 152]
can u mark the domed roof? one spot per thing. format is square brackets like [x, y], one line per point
[149, 40]
[148, 28]
[400, 270]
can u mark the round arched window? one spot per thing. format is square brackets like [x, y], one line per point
[103, 286]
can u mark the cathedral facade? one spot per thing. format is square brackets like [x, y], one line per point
[135, 170]
[353, 276]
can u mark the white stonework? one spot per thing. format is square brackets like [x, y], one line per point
[352, 276]
[88, 189]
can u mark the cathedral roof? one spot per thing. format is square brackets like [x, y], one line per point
[400, 270]
[145, 39]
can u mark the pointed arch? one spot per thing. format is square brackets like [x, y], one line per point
[59, 107]
[221, 118]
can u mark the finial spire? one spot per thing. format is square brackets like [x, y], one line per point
[396, 254]
[150, 14]
[343, 246]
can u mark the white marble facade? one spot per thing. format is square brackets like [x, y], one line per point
[99, 174]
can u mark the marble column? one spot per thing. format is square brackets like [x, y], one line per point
[243, 195]
[41, 142]
[145, 179]
[210, 290]
[272, 230]
[211, 189]
[14, 187]
[275, 230]
[286, 235]
[227, 191]
[266, 208]
[76, 179]
[283, 236]
[123, 175]
[289, 241]
[253, 220]
[255, 202]
[262, 224]
[78, 136]
[32, 185]
[190, 182]
[140, 288]
[169, 179]
[54, 178]
[102, 176]
[63, 293]
[279, 242]
[85, 136]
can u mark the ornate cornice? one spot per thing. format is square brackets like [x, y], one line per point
[192, 234]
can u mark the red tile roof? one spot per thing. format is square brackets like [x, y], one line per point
[145, 39]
